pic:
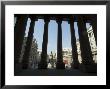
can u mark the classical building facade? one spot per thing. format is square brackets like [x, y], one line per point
[92, 43]
[79, 51]
[67, 57]
[51, 60]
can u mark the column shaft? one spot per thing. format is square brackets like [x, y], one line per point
[19, 32]
[60, 64]
[43, 62]
[84, 42]
[75, 63]
[25, 60]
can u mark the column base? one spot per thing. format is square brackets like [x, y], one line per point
[75, 65]
[42, 65]
[60, 65]
[92, 68]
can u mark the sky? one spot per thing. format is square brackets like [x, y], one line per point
[52, 34]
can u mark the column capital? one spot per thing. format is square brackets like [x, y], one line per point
[70, 19]
[46, 19]
[20, 15]
[79, 17]
[33, 17]
[59, 19]
[82, 18]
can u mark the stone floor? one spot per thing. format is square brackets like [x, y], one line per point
[53, 72]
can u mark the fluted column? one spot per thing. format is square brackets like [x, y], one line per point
[43, 62]
[94, 26]
[59, 64]
[19, 32]
[75, 63]
[25, 61]
[86, 53]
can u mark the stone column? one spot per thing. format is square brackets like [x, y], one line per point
[25, 61]
[59, 64]
[86, 53]
[43, 62]
[19, 32]
[75, 63]
[94, 26]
